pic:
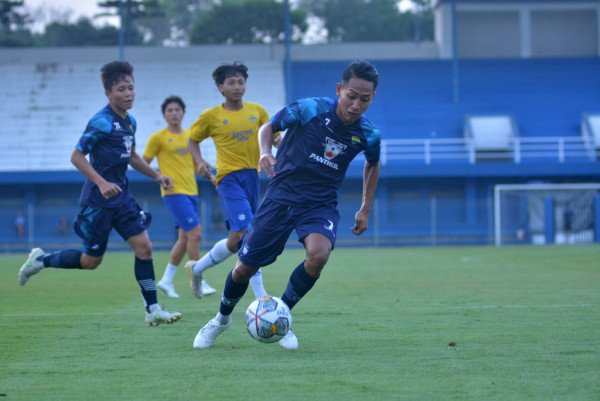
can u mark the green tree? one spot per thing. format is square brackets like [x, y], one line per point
[13, 23]
[132, 12]
[81, 33]
[180, 16]
[372, 20]
[246, 21]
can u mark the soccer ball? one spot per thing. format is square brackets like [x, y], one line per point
[268, 319]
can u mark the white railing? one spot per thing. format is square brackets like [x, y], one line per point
[428, 151]
[56, 157]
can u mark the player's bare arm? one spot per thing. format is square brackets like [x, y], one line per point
[203, 168]
[143, 167]
[265, 143]
[107, 189]
[370, 179]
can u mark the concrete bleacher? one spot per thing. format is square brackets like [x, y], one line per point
[48, 104]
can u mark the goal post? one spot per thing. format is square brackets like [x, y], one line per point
[546, 213]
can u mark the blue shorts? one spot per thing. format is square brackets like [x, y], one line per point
[185, 210]
[273, 224]
[94, 224]
[239, 192]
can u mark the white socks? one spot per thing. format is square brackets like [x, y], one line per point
[169, 274]
[217, 254]
[256, 282]
[222, 319]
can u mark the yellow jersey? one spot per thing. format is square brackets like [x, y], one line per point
[174, 160]
[235, 134]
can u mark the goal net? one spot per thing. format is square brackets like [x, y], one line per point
[545, 213]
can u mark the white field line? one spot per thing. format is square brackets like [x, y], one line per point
[423, 308]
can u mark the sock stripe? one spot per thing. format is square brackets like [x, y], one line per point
[148, 284]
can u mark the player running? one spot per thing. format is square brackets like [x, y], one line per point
[170, 147]
[323, 137]
[233, 126]
[106, 201]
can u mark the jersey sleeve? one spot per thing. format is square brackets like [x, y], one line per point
[152, 146]
[200, 129]
[96, 130]
[373, 149]
[299, 112]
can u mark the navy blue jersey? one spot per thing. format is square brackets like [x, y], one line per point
[316, 151]
[109, 141]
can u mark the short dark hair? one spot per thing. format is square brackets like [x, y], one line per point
[229, 70]
[361, 69]
[172, 99]
[115, 71]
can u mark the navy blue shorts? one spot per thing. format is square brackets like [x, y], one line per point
[185, 210]
[94, 224]
[273, 224]
[239, 192]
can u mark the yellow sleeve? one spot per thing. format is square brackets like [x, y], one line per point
[200, 129]
[153, 146]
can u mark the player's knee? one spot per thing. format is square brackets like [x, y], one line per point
[193, 236]
[144, 251]
[317, 258]
[90, 262]
[242, 273]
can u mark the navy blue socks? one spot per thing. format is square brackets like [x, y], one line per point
[300, 283]
[232, 293]
[144, 274]
[65, 259]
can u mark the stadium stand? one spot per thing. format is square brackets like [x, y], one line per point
[50, 104]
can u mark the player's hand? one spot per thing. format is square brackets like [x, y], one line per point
[108, 189]
[213, 180]
[266, 164]
[165, 182]
[362, 223]
[204, 170]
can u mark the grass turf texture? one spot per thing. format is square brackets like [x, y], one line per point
[441, 323]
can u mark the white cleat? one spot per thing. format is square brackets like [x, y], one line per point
[158, 316]
[207, 289]
[209, 333]
[290, 341]
[195, 281]
[31, 266]
[168, 288]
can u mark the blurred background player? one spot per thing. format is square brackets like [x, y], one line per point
[106, 201]
[170, 147]
[61, 227]
[233, 126]
[323, 137]
[20, 225]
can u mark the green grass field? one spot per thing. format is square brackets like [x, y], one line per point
[439, 323]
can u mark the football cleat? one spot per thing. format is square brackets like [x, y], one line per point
[195, 281]
[168, 288]
[290, 341]
[209, 333]
[207, 289]
[31, 266]
[158, 316]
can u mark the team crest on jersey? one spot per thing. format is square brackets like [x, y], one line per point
[128, 142]
[253, 119]
[333, 148]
